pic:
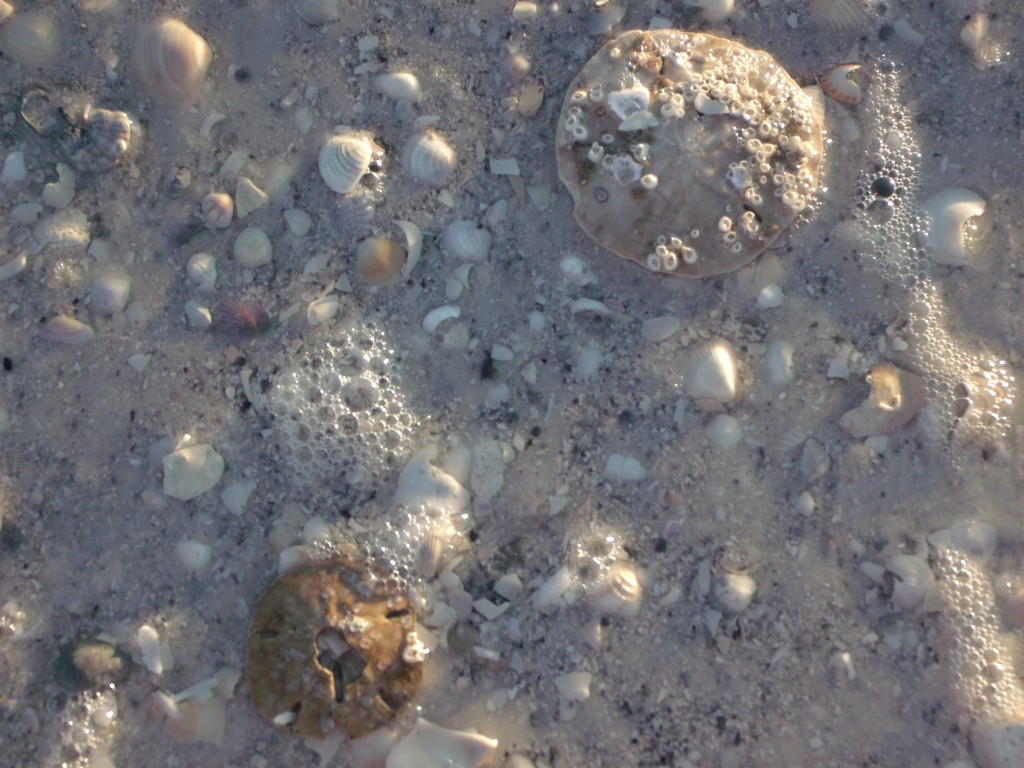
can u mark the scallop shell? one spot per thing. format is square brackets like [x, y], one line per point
[345, 158]
[218, 209]
[240, 317]
[710, 379]
[429, 159]
[465, 240]
[252, 248]
[169, 62]
[379, 261]
[839, 86]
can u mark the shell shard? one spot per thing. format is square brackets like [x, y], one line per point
[169, 62]
[687, 153]
[844, 15]
[896, 397]
[429, 159]
[948, 212]
[65, 329]
[345, 158]
[839, 86]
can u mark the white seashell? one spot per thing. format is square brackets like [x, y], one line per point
[975, 539]
[252, 248]
[401, 86]
[463, 239]
[194, 556]
[65, 329]
[431, 745]
[218, 208]
[620, 592]
[345, 158]
[435, 317]
[712, 10]
[59, 194]
[14, 267]
[907, 33]
[724, 432]
[109, 294]
[14, 169]
[974, 31]
[552, 590]
[26, 213]
[31, 39]
[299, 222]
[912, 580]
[169, 62]
[623, 469]
[509, 586]
[770, 297]
[710, 377]
[323, 309]
[429, 159]
[896, 397]
[839, 86]
[574, 686]
[202, 270]
[947, 212]
[316, 12]
[248, 197]
[734, 591]
[199, 317]
[149, 645]
[413, 245]
[660, 328]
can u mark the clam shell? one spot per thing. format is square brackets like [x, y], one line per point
[379, 261]
[345, 158]
[948, 212]
[252, 248]
[401, 86]
[711, 373]
[429, 159]
[169, 62]
[65, 329]
[465, 240]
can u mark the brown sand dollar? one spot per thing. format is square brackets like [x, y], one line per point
[332, 645]
[685, 152]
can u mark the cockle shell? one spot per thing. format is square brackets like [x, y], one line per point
[710, 376]
[379, 261]
[169, 62]
[465, 240]
[429, 159]
[345, 158]
[240, 317]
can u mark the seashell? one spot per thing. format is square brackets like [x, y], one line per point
[401, 86]
[202, 270]
[552, 590]
[734, 591]
[778, 360]
[465, 240]
[433, 319]
[710, 377]
[60, 193]
[252, 248]
[14, 267]
[896, 397]
[948, 212]
[299, 222]
[65, 329]
[574, 686]
[429, 745]
[620, 592]
[218, 209]
[64, 231]
[106, 137]
[843, 15]
[199, 317]
[351, 217]
[239, 317]
[429, 159]
[317, 12]
[109, 294]
[379, 261]
[169, 62]
[839, 86]
[413, 245]
[321, 310]
[974, 539]
[6, 9]
[724, 432]
[248, 197]
[912, 580]
[345, 158]
[31, 39]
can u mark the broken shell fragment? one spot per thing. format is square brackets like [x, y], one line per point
[896, 397]
[430, 745]
[400, 86]
[345, 158]
[687, 153]
[106, 136]
[65, 329]
[169, 62]
[331, 645]
[839, 86]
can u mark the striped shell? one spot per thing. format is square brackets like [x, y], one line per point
[169, 62]
[345, 158]
[838, 85]
[239, 317]
[429, 159]
[464, 240]
[710, 378]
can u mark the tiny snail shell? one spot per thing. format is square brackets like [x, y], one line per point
[429, 159]
[379, 261]
[218, 209]
[465, 240]
[837, 84]
[252, 248]
[345, 158]
[169, 62]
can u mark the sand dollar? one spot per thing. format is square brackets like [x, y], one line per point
[685, 152]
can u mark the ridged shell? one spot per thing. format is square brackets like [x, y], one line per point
[345, 158]
[838, 85]
[711, 373]
[551, 591]
[350, 218]
[169, 62]
[429, 159]
[240, 317]
[379, 261]
[465, 240]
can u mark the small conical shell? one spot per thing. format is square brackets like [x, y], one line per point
[429, 159]
[711, 375]
[169, 62]
[379, 261]
[345, 158]
[465, 240]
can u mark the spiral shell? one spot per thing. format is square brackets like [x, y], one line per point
[465, 240]
[169, 62]
[429, 159]
[345, 158]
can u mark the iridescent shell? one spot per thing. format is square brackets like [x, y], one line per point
[345, 158]
[429, 159]
[169, 62]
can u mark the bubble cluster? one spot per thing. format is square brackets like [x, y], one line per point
[970, 395]
[339, 414]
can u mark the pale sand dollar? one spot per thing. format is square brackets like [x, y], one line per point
[685, 152]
